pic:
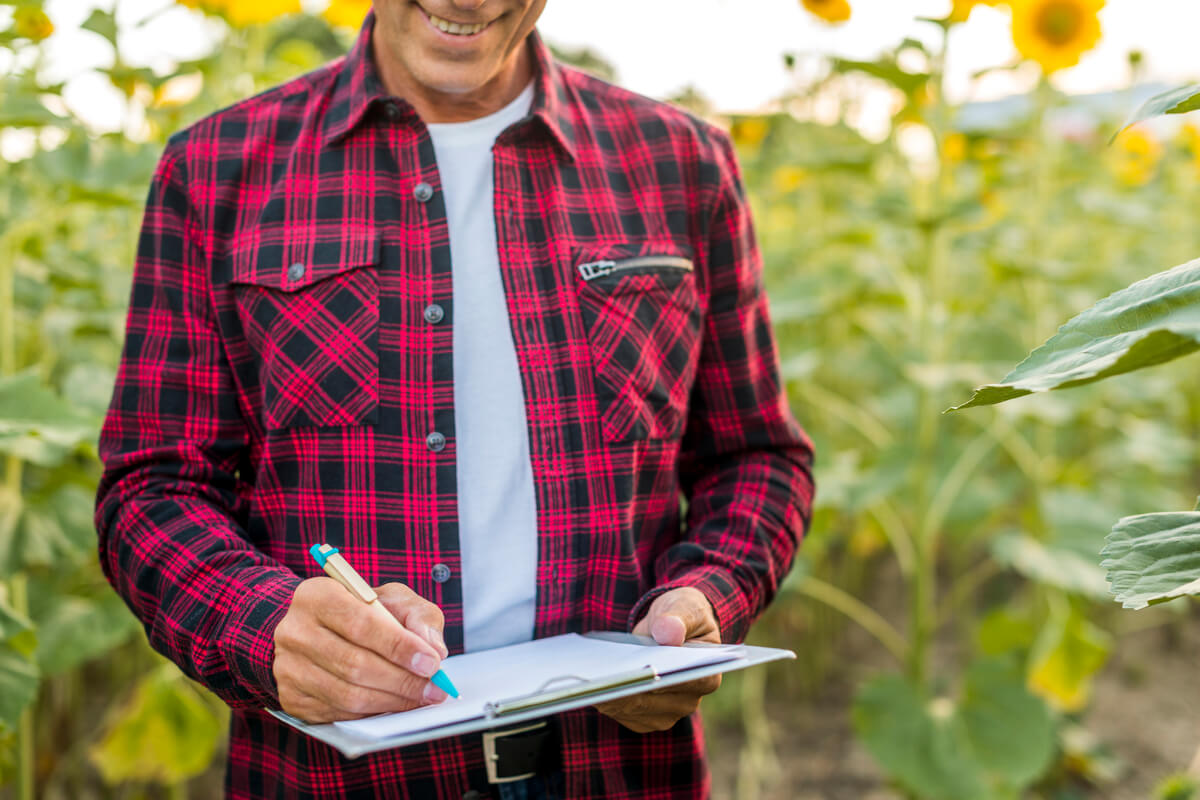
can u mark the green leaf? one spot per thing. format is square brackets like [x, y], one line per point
[922, 744]
[1054, 566]
[1069, 654]
[78, 629]
[1172, 101]
[1153, 321]
[103, 23]
[18, 685]
[12, 622]
[1002, 632]
[1011, 731]
[166, 733]
[35, 422]
[997, 739]
[20, 108]
[1152, 558]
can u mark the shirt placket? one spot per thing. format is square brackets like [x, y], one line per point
[417, 373]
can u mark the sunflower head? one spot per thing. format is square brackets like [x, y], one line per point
[1136, 158]
[1055, 33]
[347, 13]
[833, 12]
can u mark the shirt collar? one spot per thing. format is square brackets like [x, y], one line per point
[358, 86]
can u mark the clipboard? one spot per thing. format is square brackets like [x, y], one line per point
[565, 693]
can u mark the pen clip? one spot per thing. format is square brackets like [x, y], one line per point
[541, 697]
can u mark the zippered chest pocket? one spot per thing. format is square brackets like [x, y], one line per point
[643, 319]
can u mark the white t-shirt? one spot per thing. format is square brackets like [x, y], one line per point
[497, 512]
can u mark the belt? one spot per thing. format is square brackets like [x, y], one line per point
[521, 751]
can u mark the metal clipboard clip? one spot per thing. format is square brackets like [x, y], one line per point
[582, 688]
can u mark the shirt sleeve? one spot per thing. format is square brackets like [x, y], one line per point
[745, 464]
[170, 497]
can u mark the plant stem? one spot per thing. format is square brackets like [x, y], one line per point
[869, 619]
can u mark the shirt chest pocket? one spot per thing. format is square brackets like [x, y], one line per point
[642, 317]
[312, 326]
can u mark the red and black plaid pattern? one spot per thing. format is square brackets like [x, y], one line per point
[281, 385]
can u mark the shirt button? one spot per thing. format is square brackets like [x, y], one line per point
[435, 442]
[391, 111]
[434, 314]
[423, 191]
[295, 272]
[441, 573]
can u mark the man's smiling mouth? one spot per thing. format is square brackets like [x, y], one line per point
[454, 28]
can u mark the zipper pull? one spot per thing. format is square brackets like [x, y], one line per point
[596, 269]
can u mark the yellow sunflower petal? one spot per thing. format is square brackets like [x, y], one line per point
[256, 12]
[961, 9]
[832, 11]
[347, 13]
[1055, 33]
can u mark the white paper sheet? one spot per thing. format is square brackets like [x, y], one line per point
[508, 672]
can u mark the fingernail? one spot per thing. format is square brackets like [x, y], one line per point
[424, 665]
[433, 694]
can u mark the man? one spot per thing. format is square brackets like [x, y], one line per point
[477, 319]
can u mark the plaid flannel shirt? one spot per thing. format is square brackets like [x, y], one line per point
[282, 384]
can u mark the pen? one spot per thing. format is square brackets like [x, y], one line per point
[340, 570]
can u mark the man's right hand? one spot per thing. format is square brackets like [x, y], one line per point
[335, 659]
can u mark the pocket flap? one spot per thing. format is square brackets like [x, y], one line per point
[291, 267]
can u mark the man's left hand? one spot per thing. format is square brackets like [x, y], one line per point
[678, 616]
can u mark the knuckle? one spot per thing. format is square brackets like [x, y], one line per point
[352, 664]
[356, 700]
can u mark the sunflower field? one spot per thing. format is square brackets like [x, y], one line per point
[961, 635]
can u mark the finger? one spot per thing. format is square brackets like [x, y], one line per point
[350, 701]
[679, 615]
[374, 628]
[669, 629]
[415, 613]
[698, 687]
[363, 667]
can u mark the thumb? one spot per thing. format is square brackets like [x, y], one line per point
[677, 616]
[669, 629]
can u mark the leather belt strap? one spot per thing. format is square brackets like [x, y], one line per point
[521, 751]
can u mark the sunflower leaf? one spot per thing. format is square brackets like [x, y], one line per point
[1174, 101]
[1151, 322]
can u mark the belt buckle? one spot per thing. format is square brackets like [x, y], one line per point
[491, 758]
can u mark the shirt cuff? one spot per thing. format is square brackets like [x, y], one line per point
[248, 640]
[730, 606]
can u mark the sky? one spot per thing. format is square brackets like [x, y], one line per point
[730, 50]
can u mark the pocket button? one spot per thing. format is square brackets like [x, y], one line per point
[295, 272]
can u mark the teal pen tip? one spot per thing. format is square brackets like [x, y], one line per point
[442, 681]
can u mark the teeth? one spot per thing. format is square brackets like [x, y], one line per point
[456, 28]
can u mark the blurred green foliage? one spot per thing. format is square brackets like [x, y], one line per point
[902, 270]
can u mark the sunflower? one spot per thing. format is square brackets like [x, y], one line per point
[347, 13]
[832, 11]
[1136, 158]
[962, 9]
[30, 22]
[242, 13]
[1055, 33]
